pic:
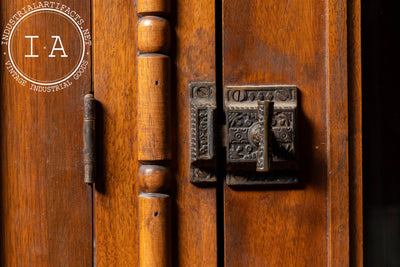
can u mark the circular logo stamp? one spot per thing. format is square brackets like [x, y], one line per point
[47, 46]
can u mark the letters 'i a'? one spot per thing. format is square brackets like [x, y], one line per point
[57, 46]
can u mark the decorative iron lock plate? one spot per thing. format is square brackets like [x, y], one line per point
[246, 121]
[260, 134]
[203, 105]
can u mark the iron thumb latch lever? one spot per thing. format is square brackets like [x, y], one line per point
[258, 134]
[89, 139]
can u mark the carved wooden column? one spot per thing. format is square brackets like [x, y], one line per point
[153, 125]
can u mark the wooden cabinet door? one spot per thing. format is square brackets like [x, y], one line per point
[46, 209]
[143, 208]
[315, 46]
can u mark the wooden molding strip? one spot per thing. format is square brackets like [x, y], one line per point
[154, 135]
[355, 133]
[337, 135]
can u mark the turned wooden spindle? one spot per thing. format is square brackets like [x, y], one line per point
[154, 178]
[154, 230]
[146, 7]
[153, 107]
[154, 35]
[154, 134]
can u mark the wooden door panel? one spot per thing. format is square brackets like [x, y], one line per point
[302, 43]
[46, 209]
[195, 209]
[115, 87]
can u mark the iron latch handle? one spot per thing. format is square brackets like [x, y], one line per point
[264, 151]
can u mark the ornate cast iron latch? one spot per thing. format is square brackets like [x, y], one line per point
[259, 134]
[203, 105]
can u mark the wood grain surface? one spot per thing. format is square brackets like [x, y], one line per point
[154, 230]
[301, 43]
[46, 209]
[355, 134]
[154, 139]
[153, 120]
[337, 134]
[154, 179]
[193, 209]
[154, 35]
[146, 7]
[115, 87]
[194, 219]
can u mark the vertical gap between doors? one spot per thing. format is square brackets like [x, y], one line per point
[92, 92]
[221, 120]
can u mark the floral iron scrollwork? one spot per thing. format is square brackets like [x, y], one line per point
[259, 134]
[252, 142]
[202, 127]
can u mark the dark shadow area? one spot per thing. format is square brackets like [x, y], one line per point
[221, 160]
[100, 183]
[173, 100]
[381, 132]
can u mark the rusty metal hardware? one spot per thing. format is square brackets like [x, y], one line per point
[259, 134]
[89, 139]
[202, 127]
